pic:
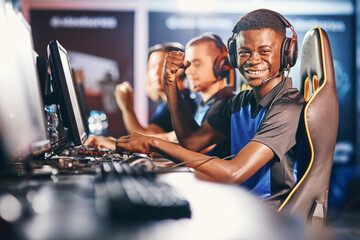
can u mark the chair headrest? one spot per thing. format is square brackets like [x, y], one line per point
[315, 64]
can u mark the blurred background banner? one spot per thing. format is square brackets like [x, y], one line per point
[100, 43]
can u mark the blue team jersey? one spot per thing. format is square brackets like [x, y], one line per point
[273, 122]
[212, 106]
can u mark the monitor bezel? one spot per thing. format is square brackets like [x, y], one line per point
[60, 86]
[20, 33]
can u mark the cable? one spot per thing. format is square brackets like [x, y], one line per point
[89, 151]
[63, 140]
[101, 157]
[108, 154]
[202, 159]
[282, 87]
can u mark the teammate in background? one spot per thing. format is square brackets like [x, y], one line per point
[262, 122]
[207, 76]
[207, 73]
[160, 123]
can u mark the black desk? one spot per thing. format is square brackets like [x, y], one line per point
[65, 208]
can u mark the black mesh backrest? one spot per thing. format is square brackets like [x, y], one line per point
[319, 125]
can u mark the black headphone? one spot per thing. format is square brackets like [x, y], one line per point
[221, 66]
[289, 46]
[167, 47]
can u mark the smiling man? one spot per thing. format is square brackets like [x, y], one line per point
[261, 122]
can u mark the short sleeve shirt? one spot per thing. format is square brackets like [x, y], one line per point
[274, 122]
[162, 117]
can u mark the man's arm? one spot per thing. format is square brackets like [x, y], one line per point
[246, 163]
[182, 120]
[125, 99]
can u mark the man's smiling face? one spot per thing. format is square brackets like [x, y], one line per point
[258, 54]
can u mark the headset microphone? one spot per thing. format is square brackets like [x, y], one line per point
[268, 79]
[205, 83]
[276, 75]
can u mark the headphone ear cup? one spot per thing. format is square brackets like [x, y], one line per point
[284, 46]
[289, 53]
[232, 53]
[221, 67]
[293, 52]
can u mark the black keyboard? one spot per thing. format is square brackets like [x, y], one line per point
[134, 193]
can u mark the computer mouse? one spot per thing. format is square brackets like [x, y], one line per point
[143, 161]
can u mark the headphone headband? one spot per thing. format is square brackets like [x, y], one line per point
[216, 39]
[167, 47]
[221, 64]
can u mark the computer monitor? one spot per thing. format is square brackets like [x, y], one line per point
[64, 88]
[24, 50]
[81, 97]
[44, 79]
[23, 130]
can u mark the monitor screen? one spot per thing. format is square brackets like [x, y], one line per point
[64, 88]
[23, 129]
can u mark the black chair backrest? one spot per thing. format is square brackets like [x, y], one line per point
[319, 127]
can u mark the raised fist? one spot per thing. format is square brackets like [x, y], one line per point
[124, 96]
[174, 67]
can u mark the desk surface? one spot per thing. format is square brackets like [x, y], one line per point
[64, 207]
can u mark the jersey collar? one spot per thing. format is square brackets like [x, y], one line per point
[270, 96]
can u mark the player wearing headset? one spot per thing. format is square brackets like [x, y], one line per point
[261, 122]
[207, 75]
[160, 121]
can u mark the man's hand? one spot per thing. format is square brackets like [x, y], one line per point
[174, 67]
[124, 96]
[99, 142]
[134, 143]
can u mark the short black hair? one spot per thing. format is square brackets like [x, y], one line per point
[260, 19]
[167, 47]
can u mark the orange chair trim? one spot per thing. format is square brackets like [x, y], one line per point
[315, 82]
[306, 125]
[306, 89]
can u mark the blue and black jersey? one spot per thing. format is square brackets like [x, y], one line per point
[274, 122]
[162, 117]
[212, 106]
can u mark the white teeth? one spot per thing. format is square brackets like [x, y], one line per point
[256, 72]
